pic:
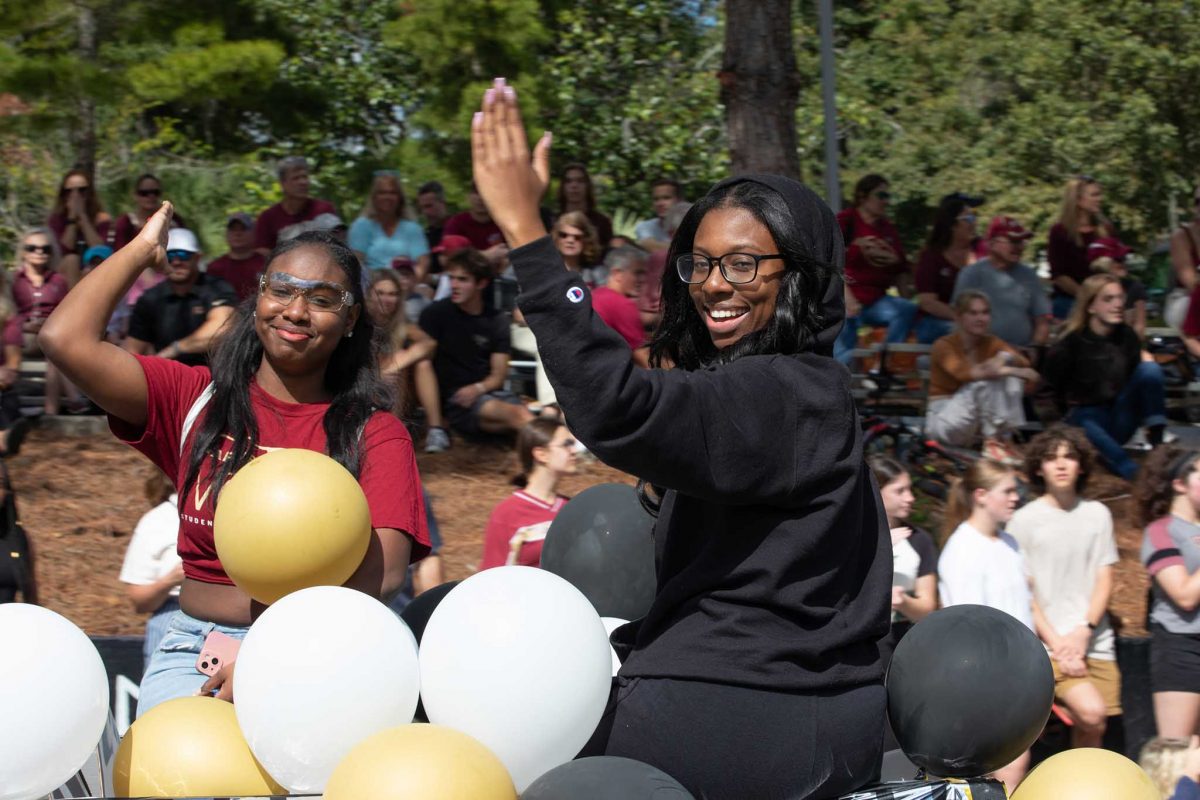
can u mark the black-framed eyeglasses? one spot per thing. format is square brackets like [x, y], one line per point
[735, 267]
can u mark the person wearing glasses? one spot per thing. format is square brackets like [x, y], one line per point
[946, 253]
[875, 260]
[78, 220]
[774, 562]
[517, 526]
[147, 197]
[1080, 222]
[295, 368]
[1185, 265]
[576, 241]
[383, 231]
[181, 317]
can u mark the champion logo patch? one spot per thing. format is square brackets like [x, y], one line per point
[575, 294]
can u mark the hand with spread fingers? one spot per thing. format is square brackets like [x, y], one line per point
[510, 183]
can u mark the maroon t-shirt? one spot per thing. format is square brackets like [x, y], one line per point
[242, 274]
[1191, 323]
[482, 234]
[275, 219]
[935, 274]
[867, 282]
[1068, 258]
[388, 477]
[520, 513]
[58, 224]
[36, 302]
[621, 314]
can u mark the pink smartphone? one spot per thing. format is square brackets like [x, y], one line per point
[217, 650]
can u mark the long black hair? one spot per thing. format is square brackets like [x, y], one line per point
[683, 339]
[944, 220]
[351, 377]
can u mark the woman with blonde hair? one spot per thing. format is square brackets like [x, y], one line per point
[1173, 765]
[981, 564]
[385, 304]
[383, 232]
[576, 241]
[1099, 370]
[1079, 224]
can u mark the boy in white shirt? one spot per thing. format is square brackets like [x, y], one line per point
[1070, 551]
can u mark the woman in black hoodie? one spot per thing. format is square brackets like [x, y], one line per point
[755, 672]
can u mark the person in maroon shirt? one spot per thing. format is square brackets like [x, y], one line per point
[615, 301]
[242, 265]
[576, 193]
[946, 252]
[295, 207]
[147, 197]
[874, 260]
[476, 225]
[299, 372]
[79, 221]
[1079, 224]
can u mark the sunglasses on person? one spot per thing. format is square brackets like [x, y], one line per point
[883, 195]
[572, 236]
[179, 255]
[149, 192]
[44, 249]
[967, 218]
[80, 189]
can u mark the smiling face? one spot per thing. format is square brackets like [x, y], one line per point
[37, 258]
[1108, 306]
[569, 241]
[1061, 470]
[897, 498]
[1000, 501]
[182, 270]
[298, 338]
[730, 311]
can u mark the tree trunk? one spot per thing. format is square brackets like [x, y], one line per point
[85, 133]
[759, 87]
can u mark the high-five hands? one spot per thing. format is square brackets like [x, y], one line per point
[510, 183]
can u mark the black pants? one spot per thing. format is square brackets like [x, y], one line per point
[732, 742]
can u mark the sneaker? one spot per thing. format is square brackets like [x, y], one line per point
[437, 441]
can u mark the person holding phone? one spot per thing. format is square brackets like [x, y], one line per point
[295, 368]
[774, 563]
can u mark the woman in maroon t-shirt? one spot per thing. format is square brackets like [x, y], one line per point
[946, 252]
[297, 372]
[79, 221]
[1079, 224]
[147, 197]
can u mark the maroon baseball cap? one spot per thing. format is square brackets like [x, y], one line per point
[1007, 227]
[452, 243]
[1108, 247]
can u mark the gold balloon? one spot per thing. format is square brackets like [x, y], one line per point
[189, 747]
[431, 762]
[289, 520]
[1087, 773]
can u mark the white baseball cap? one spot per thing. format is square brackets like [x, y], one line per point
[182, 239]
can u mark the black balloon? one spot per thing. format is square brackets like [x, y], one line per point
[416, 614]
[969, 689]
[606, 778]
[602, 543]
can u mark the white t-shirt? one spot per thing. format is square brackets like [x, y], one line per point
[152, 550]
[1064, 550]
[986, 571]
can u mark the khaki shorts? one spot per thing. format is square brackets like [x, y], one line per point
[1102, 674]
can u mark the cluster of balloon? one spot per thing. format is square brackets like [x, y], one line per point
[289, 520]
[420, 760]
[606, 778]
[416, 614]
[517, 658]
[320, 671]
[969, 689]
[54, 696]
[188, 747]
[602, 543]
[1087, 774]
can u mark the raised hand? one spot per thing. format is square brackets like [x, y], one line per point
[154, 233]
[509, 181]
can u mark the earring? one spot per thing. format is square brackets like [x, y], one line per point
[349, 334]
[254, 313]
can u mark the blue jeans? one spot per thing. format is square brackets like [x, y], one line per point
[894, 313]
[156, 628]
[929, 329]
[1141, 402]
[172, 670]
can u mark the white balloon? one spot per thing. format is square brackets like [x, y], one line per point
[518, 658]
[610, 625]
[53, 700]
[321, 670]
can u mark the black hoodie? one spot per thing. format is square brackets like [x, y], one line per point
[773, 557]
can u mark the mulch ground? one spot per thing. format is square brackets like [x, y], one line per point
[81, 496]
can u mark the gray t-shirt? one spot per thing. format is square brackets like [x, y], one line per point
[1016, 294]
[1170, 542]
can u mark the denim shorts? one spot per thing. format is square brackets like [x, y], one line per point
[172, 671]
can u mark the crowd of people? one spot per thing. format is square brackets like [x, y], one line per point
[311, 332]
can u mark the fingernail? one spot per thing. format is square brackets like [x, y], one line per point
[477, 119]
[489, 96]
[510, 93]
[499, 83]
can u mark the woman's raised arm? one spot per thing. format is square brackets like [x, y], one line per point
[73, 336]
